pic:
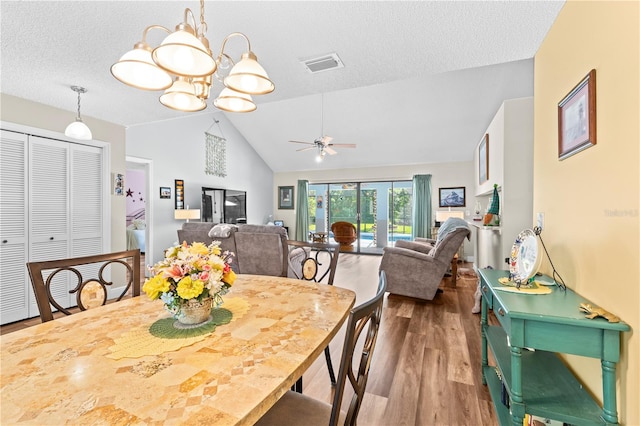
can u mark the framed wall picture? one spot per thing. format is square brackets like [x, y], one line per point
[165, 192]
[483, 159]
[577, 118]
[452, 197]
[285, 197]
[179, 186]
[118, 184]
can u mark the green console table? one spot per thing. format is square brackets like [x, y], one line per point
[533, 328]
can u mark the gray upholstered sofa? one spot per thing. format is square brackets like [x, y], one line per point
[415, 268]
[259, 249]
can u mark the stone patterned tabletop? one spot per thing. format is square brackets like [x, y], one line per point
[59, 372]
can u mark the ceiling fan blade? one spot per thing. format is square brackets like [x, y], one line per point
[343, 145]
[330, 151]
[305, 149]
[326, 139]
[306, 143]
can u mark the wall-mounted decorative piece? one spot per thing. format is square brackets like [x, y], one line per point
[179, 185]
[215, 153]
[483, 159]
[165, 192]
[118, 184]
[577, 118]
[452, 197]
[285, 197]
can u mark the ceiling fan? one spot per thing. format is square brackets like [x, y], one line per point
[323, 144]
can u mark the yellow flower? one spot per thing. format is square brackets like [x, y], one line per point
[188, 288]
[199, 249]
[216, 250]
[155, 286]
[229, 277]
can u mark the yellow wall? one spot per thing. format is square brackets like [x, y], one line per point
[24, 112]
[590, 200]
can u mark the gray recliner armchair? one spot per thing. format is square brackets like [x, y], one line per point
[415, 268]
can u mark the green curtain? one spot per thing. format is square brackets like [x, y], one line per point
[421, 206]
[302, 211]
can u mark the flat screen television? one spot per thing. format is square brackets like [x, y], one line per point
[224, 205]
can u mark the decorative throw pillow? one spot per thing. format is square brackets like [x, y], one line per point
[221, 230]
[138, 224]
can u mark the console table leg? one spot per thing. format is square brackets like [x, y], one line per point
[517, 403]
[609, 409]
[483, 345]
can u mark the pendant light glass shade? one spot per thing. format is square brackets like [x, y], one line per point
[78, 130]
[136, 68]
[181, 53]
[232, 101]
[181, 96]
[248, 76]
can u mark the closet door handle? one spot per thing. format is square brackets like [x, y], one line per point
[501, 312]
[5, 241]
[50, 238]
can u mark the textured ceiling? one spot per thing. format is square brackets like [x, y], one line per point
[421, 79]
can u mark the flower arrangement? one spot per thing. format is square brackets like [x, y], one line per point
[190, 272]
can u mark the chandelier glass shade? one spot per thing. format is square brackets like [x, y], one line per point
[77, 129]
[185, 55]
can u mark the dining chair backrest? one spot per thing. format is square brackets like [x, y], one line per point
[363, 318]
[87, 277]
[315, 262]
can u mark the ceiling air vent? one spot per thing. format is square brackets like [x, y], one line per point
[323, 63]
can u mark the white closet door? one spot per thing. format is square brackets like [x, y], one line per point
[86, 200]
[14, 281]
[49, 208]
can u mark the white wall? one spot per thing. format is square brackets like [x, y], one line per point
[443, 175]
[177, 149]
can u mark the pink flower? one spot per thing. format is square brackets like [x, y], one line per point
[174, 271]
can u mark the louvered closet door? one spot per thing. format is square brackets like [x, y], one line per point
[14, 281]
[86, 200]
[49, 208]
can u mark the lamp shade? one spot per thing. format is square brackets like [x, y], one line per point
[187, 214]
[441, 215]
[78, 130]
[232, 101]
[248, 76]
[136, 68]
[181, 53]
[181, 96]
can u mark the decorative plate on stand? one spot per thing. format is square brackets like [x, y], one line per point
[525, 257]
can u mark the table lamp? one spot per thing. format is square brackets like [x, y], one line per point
[187, 214]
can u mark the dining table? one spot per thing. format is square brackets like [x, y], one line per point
[107, 365]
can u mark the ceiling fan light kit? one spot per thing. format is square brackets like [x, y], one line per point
[185, 54]
[77, 129]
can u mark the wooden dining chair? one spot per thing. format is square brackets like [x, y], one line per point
[92, 275]
[315, 262]
[297, 409]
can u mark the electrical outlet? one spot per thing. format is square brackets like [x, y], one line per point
[540, 220]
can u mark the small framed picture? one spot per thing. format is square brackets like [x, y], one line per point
[118, 184]
[577, 118]
[483, 159]
[179, 186]
[285, 197]
[278, 222]
[165, 192]
[452, 197]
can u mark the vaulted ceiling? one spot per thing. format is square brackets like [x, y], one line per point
[421, 80]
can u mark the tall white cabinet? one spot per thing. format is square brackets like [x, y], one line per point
[511, 168]
[51, 207]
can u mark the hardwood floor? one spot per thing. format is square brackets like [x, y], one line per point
[426, 365]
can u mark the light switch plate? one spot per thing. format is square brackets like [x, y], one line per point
[540, 220]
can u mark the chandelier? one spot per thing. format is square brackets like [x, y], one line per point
[184, 67]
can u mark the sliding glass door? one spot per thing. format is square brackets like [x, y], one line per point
[380, 211]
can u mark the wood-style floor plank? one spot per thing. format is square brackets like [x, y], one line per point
[426, 367]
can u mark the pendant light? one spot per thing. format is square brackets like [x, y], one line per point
[185, 54]
[77, 129]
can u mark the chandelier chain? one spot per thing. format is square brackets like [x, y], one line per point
[202, 23]
[78, 104]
